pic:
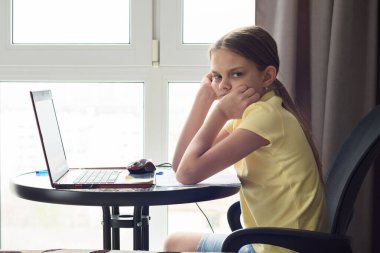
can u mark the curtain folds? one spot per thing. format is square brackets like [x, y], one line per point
[328, 62]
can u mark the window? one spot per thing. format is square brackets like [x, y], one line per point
[62, 22]
[181, 96]
[47, 40]
[102, 80]
[204, 21]
[188, 26]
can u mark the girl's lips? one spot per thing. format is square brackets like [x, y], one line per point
[222, 94]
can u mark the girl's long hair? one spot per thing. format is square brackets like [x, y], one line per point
[257, 45]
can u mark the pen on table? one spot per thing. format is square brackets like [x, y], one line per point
[41, 172]
[160, 173]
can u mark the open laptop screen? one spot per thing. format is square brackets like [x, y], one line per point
[50, 133]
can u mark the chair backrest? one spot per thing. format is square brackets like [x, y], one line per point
[349, 169]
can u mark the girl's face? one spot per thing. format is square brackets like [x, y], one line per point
[230, 70]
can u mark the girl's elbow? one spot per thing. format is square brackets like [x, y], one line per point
[184, 177]
[174, 167]
[175, 164]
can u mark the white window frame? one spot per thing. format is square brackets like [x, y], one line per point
[98, 63]
[137, 53]
[172, 51]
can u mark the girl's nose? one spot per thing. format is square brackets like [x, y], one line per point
[225, 85]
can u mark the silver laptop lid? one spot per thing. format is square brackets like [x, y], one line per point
[49, 134]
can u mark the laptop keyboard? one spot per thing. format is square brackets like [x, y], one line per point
[98, 176]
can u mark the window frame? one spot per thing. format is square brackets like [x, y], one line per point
[137, 53]
[172, 51]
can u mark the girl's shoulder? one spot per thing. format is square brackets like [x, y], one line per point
[264, 108]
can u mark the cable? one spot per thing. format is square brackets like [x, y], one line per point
[169, 165]
[164, 165]
[208, 221]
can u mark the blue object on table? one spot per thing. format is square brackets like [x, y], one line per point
[41, 172]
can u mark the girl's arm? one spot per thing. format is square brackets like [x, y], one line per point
[203, 101]
[204, 157]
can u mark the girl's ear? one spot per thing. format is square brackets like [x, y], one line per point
[270, 74]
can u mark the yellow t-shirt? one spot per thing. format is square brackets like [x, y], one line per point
[281, 186]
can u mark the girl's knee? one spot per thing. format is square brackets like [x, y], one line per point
[179, 242]
[170, 242]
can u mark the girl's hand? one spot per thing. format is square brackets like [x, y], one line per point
[206, 88]
[236, 101]
[219, 93]
[211, 88]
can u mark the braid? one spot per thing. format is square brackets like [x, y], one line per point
[288, 104]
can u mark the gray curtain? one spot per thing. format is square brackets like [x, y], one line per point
[328, 62]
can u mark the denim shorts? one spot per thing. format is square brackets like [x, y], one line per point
[213, 243]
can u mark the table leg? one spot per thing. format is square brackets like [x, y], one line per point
[137, 231]
[140, 227]
[106, 228]
[115, 231]
[145, 228]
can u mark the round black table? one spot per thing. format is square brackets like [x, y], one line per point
[37, 188]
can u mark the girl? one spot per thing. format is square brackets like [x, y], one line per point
[256, 127]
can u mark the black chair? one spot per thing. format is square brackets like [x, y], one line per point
[345, 178]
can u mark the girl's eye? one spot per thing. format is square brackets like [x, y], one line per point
[237, 74]
[216, 77]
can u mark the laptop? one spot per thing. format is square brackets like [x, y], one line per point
[63, 177]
